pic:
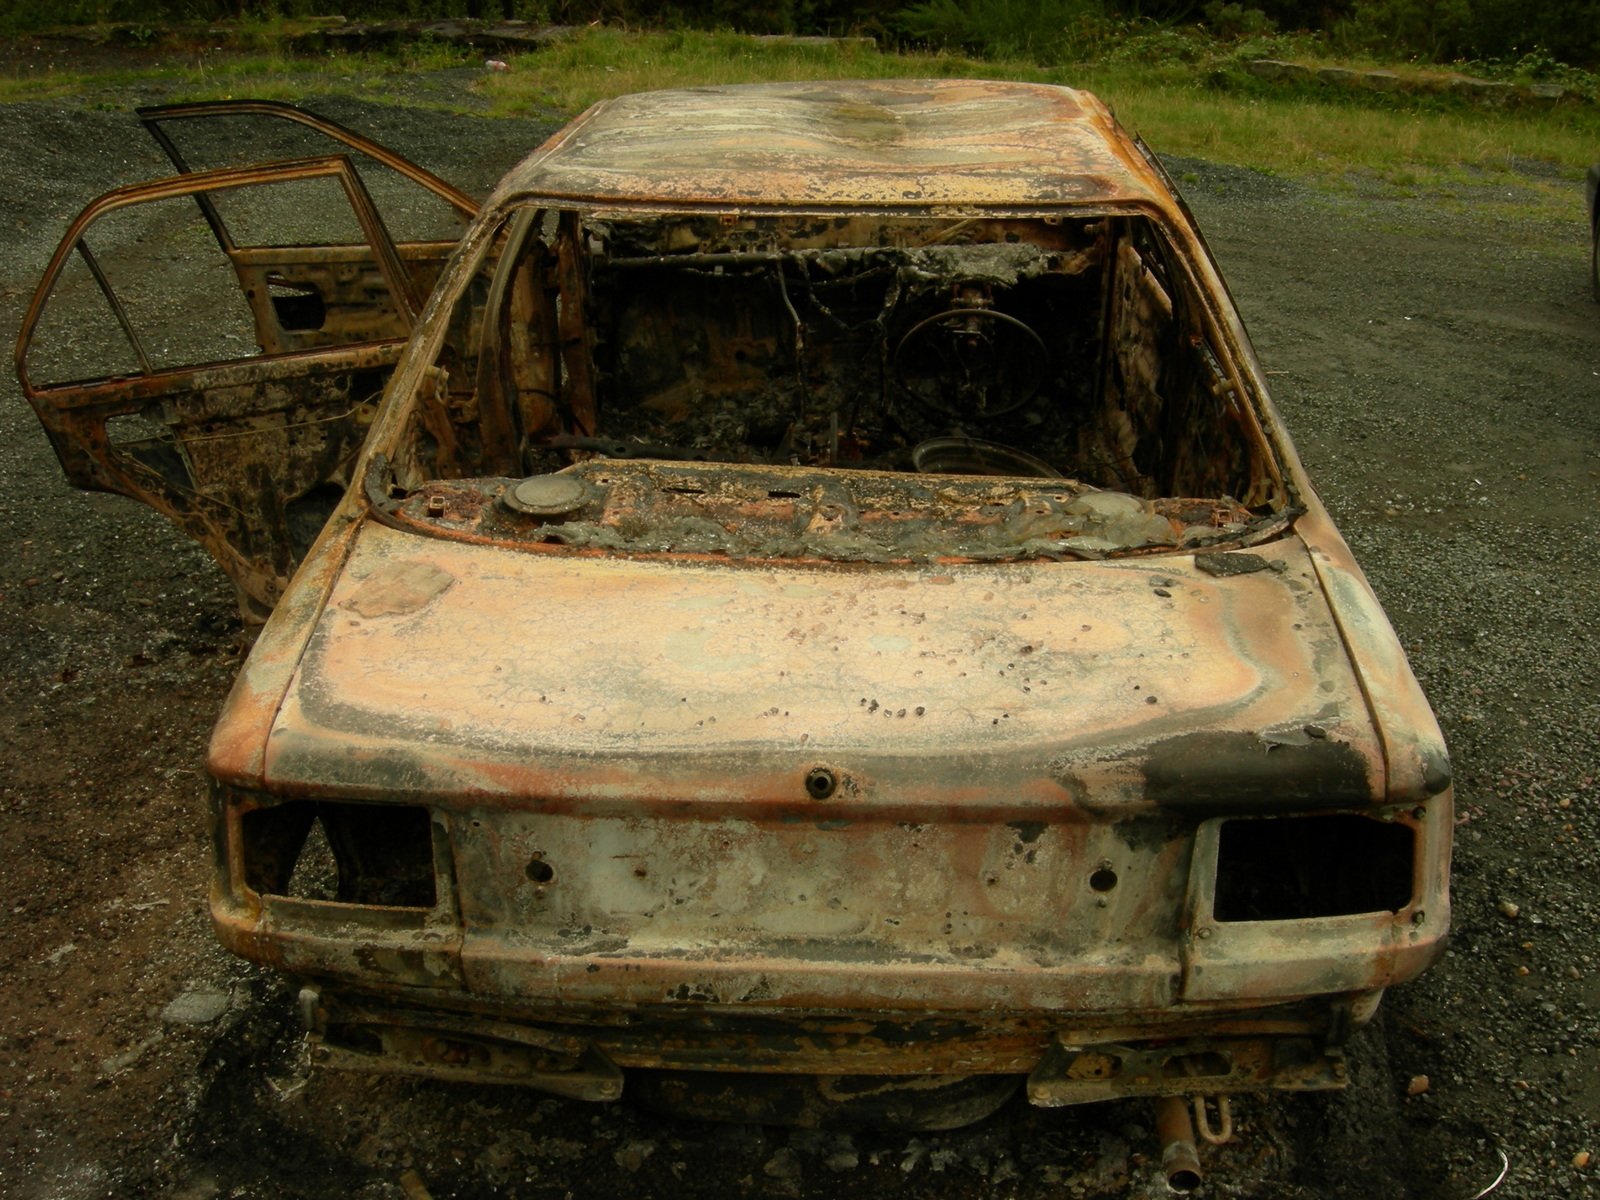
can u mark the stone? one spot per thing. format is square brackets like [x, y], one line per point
[1485, 91]
[199, 1006]
[783, 1168]
[1266, 68]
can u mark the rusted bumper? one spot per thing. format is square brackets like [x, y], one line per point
[1295, 1048]
[1218, 1005]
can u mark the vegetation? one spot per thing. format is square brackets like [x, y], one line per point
[1187, 90]
[1182, 102]
[1554, 32]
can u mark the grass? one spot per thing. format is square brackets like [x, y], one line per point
[600, 63]
[257, 77]
[190, 66]
[1309, 138]
[1299, 134]
[1182, 103]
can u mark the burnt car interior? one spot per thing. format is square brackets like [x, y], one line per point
[927, 360]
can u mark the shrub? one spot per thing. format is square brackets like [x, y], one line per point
[1043, 30]
[1235, 21]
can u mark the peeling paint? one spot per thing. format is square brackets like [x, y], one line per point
[398, 588]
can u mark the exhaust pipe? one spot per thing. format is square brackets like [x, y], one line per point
[1180, 1162]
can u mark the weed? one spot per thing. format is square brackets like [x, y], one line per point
[429, 54]
[1041, 31]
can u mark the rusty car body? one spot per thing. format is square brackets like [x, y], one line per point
[825, 595]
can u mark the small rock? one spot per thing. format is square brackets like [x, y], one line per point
[198, 1007]
[843, 1160]
[1581, 1160]
[1266, 68]
[202, 1187]
[1418, 1085]
[631, 1156]
[783, 1168]
[1509, 909]
[121, 1062]
[1485, 91]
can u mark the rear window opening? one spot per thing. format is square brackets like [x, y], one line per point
[725, 369]
[1302, 868]
[376, 855]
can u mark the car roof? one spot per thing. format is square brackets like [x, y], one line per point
[843, 143]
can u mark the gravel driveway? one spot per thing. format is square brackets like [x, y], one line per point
[1439, 367]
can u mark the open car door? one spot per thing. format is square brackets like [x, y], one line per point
[206, 134]
[425, 215]
[225, 385]
[214, 344]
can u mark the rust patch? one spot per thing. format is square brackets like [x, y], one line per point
[1225, 566]
[399, 588]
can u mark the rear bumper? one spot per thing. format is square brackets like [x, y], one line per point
[1103, 967]
[1296, 1048]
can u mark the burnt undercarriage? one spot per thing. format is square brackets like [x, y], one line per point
[835, 1069]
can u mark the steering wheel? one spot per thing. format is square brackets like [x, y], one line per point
[974, 363]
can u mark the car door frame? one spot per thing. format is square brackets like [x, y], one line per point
[255, 549]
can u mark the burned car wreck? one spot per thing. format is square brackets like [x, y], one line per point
[824, 618]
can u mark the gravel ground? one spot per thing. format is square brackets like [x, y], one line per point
[1439, 368]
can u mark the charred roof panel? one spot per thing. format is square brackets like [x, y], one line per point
[850, 143]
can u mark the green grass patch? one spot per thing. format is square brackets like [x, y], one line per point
[1308, 137]
[49, 86]
[1423, 145]
[267, 73]
[1185, 94]
[597, 64]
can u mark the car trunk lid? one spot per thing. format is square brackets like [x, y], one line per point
[441, 669]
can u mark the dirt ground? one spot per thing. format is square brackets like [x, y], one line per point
[1440, 369]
